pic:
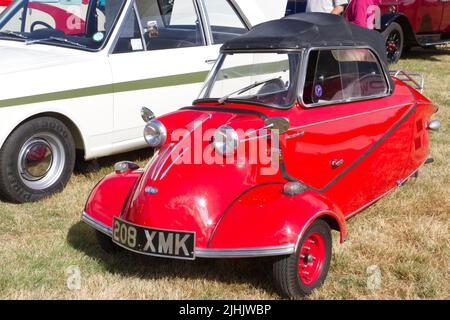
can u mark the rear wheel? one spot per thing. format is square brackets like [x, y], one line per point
[395, 41]
[36, 160]
[306, 269]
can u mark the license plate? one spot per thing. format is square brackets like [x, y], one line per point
[154, 242]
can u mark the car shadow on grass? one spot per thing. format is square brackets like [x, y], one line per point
[430, 53]
[88, 166]
[255, 272]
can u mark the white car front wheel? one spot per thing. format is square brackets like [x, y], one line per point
[36, 160]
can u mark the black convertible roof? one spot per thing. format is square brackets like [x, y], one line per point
[305, 30]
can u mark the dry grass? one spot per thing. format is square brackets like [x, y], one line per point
[405, 234]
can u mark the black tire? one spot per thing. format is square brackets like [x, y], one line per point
[395, 42]
[36, 160]
[286, 268]
[105, 242]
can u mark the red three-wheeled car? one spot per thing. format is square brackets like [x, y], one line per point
[299, 126]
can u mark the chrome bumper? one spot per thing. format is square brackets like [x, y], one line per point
[211, 253]
[97, 225]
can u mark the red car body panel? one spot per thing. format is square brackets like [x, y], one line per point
[108, 196]
[328, 158]
[383, 141]
[445, 24]
[423, 16]
[274, 218]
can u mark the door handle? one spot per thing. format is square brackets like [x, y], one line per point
[210, 61]
[337, 162]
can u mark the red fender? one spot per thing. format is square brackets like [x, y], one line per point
[109, 195]
[265, 216]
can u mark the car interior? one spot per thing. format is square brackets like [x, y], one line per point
[330, 80]
[176, 24]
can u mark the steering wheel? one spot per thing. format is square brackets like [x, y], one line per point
[42, 23]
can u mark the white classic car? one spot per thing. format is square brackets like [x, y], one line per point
[74, 75]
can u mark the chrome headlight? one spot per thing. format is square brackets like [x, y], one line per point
[226, 140]
[155, 133]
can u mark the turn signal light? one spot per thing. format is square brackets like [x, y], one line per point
[124, 166]
[294, 188]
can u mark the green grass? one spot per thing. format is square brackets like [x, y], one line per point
[406, 235]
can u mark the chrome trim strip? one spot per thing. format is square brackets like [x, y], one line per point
[295, 135]
[209, 253]
[350, 215]
[149, 167]
[204, 21]
[194, 125]
[350, 116]
[119, 26]
[245, 252]
[409, 77]
[173, 162]
[310, 221]
[97, 225]
[163, 160]
[255, 137]
[158, 161]
[241, 14]
[141, 31]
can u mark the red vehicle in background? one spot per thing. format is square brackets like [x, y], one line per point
[408, 23]
[299, 127]
[404, 23]
[54, 15]
[4, 4]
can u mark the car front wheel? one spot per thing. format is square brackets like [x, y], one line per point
[305, 270]
[36, 160]
[395, 42]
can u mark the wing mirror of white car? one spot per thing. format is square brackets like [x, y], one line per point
[147, 114]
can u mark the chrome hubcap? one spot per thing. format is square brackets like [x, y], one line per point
[37, 159]
[41, 161]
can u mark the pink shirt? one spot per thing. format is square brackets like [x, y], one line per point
[362, 12]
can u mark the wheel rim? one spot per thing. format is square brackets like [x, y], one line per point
[41, 161]
[393, 45]
[311, 258]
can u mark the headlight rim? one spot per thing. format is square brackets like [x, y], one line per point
[161, 128]
[235, 137]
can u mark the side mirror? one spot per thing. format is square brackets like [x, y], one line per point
[147, 114]
[277, 123]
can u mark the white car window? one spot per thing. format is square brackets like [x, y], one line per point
[77, 23]
[224, 20]
[267, 78]
[130, 38]
[170, 24]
